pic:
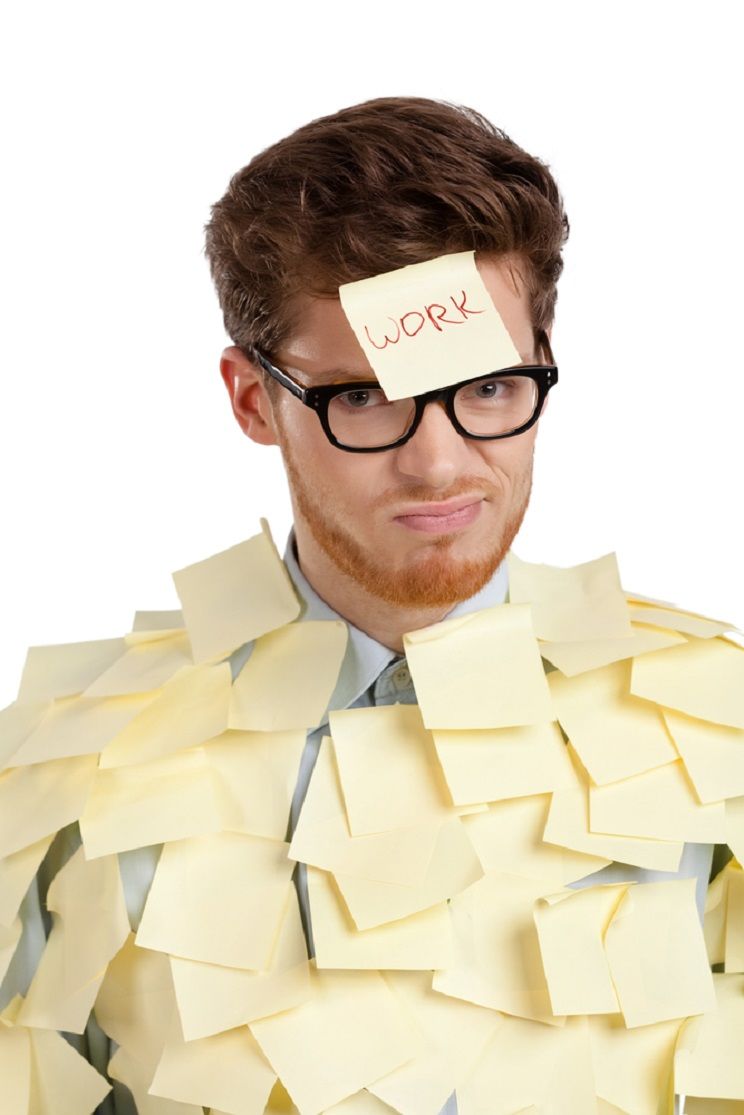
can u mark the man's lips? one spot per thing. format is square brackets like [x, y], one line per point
[441, 518]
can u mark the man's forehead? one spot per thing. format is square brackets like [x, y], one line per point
[409, 314]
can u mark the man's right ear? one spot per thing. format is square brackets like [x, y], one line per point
[249, 399]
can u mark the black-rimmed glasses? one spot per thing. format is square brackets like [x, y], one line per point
[357, 416]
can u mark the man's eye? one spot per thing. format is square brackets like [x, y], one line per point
[362, 399]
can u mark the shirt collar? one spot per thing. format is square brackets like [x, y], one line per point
[365, 658]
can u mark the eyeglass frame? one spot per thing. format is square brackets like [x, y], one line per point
[319, 398]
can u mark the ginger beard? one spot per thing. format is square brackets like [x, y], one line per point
[433, 578]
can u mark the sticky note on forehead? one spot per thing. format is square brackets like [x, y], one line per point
[428, 325]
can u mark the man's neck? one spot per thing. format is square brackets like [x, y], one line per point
[384, 622]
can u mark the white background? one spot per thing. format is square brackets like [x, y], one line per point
[120, 457]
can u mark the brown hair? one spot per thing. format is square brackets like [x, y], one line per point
[371, 188]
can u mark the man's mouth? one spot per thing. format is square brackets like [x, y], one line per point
[441, 518]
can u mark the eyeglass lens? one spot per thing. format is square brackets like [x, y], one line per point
[365, 419]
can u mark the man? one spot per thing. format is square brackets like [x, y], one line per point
[405, 508]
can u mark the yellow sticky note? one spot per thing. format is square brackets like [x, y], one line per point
[10, 935]
[146, 665]
[453, 866]
[257, 775]
[289, 677]
[688, 623]
[614, 733]
[656, 954]
[322, 838]
[703, 678]
[509, 838]
[712, 753]
[498, 963]
[453, 1035]
[154, 625]
[16, 872]
[632, 1068]
[235, 596]
[15, 1068]
[734, 937]
[708, 1061]
[483, 765]
[658, 805]
[190, 708]
[79, 726]
[167, 799]
[482, 670]
[349, 1034]
[388, 768]
[428, 325]
[212, 998]
[573, 604]
[568, 826]
[573, 658]
[226, 1071]
[735, 826]
[39, 800]
[571, 928]
[64, 669]
[131, 1072]
[218, 898]
[63, 1083]
[90, 927]
[17, 721]
[421, 941]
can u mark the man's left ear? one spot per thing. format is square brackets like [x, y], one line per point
[249, 399]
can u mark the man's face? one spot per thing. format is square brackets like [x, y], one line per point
[423, 525]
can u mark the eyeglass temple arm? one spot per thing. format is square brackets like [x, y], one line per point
[282, 377]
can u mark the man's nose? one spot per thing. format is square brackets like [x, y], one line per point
[435, 454]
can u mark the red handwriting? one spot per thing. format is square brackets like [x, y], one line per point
[413, 321]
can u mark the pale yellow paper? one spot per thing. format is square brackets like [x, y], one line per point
[361, 1103]
[257, 775]
[10, 935]
[453, 1035]
[39, 800]
[289, 677]
[573, 604]
[212, 998]
[64, 669]
[422, 941]
[63, 1081]
[656, 954]
[218, 898]
[703, 678]
[428, 325]
[15, 1065]
[190, 708]
[322, 836]
[614, 733]
[632, 1068]
[135, 1004]
[167, 799]
[734, 941]
[570, 928]
[568, 826]
[488, 766]
[79, 726]
[349, 1034]
[508, 838]
[659, 805]
[687, 622]
[454, 865]
[90, 926]
[155, 624]
[498, 963]
[482, 670]
[227, 1071]
[17, 721]
[712, 753]
[235, 596]
[16, 872]
[146, 665]
[388, 768]
[576, 658]
[696, 1106]
[735, 826]
[714, 916]
[708, 1061]
[528, 1067]
[131, 1072]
